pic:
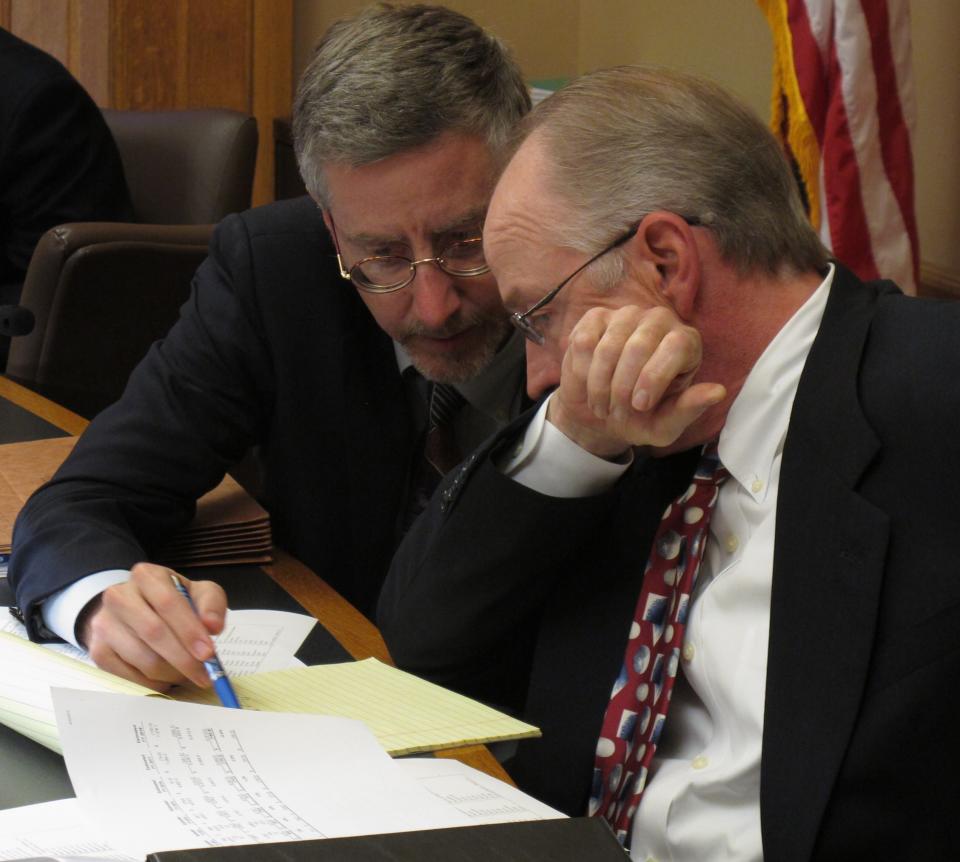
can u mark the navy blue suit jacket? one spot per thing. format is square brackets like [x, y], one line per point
[272, 349]
[525, 600]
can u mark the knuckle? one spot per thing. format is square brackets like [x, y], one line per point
[621, 391]
[114, 599]
[98, 650]
[154, 667]
[686, 340]
[141, 572]
[151, 630]
[582, 340]
[607, 352]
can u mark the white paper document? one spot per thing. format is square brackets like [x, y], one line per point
[256, 641]
[479, 797]
[56, 830]
[155, 774]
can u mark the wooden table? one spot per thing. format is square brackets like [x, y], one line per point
[355, 633]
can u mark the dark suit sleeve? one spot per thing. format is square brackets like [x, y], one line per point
[192, 407]
[60, 164]
[462, 600]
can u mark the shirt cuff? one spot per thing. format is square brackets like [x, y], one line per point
[61, 610]
[548, 462]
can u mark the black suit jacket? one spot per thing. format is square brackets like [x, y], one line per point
[526, 600]
[58, 160]
[273, 348]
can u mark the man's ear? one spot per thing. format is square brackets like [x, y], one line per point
[665, 241]
[326, 216]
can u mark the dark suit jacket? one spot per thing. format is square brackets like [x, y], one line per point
[272, 348]
[58, 161]
[526, 601]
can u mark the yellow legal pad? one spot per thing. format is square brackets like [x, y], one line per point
[405, 713]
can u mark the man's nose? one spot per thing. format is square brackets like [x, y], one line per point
[543, 370]
[435, 296]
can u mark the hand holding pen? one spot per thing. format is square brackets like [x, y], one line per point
[218, 676]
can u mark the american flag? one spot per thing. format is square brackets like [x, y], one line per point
[844, 108]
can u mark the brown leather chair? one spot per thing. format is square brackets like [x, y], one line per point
[103, 292]
[186, 167]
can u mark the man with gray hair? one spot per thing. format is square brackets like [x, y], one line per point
[318, 330]
[724, 575]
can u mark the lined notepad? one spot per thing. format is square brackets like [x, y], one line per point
[405, 713]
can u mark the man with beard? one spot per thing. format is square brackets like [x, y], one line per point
[316, 331]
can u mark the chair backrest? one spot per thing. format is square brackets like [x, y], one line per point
[102, 293]
[186, 167]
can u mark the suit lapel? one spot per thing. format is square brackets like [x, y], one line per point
[827, 573]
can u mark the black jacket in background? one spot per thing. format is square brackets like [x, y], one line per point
[272, 349]
[58, 160]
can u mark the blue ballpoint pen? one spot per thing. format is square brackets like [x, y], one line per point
[218, 676]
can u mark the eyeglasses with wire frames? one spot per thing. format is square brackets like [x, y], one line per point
[386, 273]
[529, 328]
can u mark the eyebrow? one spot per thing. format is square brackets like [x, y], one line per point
[469, 220]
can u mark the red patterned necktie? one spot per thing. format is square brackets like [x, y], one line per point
[641, 694]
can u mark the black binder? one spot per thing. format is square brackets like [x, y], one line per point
[578, 839]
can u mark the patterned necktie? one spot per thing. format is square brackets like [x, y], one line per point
[440, 453]
[440, 448]
[641, 694]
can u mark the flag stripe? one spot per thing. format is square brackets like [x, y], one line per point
[894, 137]
[843, 97]
[844, 202]
[888, 239]
[809, 66]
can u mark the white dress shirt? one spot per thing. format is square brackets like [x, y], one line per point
[702, 800]
[493, 398]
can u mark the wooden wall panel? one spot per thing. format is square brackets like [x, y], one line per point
[42, 23]
[88, 49]
[149, 51]
[272, 84]
[161, 54]
[219, 40]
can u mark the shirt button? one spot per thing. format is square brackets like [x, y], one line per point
[689, 651]
[700, 762]
[757, 486]
[731, 543]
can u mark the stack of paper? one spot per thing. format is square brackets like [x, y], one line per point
[230, 527]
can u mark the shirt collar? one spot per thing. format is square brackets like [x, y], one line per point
[494, 391]
[756, 424]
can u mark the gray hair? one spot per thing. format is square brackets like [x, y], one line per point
[623, 142]
[393, 78]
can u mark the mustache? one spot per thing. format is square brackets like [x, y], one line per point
[455, 324]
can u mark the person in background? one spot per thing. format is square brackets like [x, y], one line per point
[58, 160]
[342, 333]
[721, 552]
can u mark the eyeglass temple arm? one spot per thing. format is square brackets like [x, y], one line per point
[344, 273]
